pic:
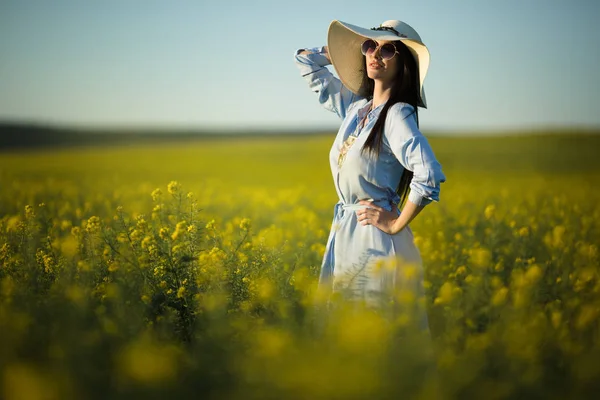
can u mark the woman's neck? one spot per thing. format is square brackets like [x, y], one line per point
[381, 93]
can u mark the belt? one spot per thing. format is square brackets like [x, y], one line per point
[341, 209]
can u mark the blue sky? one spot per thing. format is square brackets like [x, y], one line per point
[229, 64]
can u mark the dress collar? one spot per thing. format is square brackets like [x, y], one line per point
[365, 109]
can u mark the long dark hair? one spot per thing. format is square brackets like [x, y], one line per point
[405, 89]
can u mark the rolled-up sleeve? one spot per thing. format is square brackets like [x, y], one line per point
[333, 95]
[413, 151]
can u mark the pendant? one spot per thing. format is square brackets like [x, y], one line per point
[345, 147]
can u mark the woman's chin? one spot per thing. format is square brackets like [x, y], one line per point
[376, 75]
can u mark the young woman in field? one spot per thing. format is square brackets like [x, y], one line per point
[379, 158]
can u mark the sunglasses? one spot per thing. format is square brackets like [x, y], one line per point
[387, 51]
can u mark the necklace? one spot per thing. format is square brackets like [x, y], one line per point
[352, 138]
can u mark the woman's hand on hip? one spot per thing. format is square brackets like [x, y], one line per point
[377, 216]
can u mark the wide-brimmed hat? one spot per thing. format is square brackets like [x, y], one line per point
[344, 41]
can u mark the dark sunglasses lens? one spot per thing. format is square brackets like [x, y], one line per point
[368, 47]
[387, 51]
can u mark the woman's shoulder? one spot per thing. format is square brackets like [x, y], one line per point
[401, 120]
[401, 109]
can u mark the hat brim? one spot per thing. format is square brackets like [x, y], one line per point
[344, 41]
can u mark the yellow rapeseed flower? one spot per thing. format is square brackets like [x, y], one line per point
[480, 257]
[148, 362]
[499, 296]
[490, 211]
[29, 212]
[587, 314]
[173, 187]
[180, 230]
[445, 294]
[556, 319]
[164, 233]
[93, 225]
[156, 194]
[245, 224]
[533, 274]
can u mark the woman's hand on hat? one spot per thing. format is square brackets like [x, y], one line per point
[377, 216]
[326, 53]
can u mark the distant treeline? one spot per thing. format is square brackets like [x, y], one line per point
[31, 136]
[26, 136]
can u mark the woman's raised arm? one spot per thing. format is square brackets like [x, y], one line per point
[333, 95]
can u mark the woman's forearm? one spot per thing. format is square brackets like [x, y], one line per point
[326, 53]
[409, 212]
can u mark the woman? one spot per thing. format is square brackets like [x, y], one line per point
[379, 158]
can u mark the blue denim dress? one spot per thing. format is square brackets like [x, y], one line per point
[353, 259]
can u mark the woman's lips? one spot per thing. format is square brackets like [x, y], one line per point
[375, 65]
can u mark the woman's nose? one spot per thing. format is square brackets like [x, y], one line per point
[377, 52]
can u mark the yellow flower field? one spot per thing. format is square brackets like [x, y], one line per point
[189, 270]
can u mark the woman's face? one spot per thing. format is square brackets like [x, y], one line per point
[380, 69]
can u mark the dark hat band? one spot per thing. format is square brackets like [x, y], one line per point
[388, 28]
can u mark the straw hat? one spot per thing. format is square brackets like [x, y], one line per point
[344, 41]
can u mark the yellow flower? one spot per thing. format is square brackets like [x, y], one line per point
[499, 297]
[181, 292]
[29, 213]
[480, 257]
[173, 187]
[156, 194]
[265, 289]
[524, 231]
[148, 362]
[242, 257]
[93, 225]
[13, 223]
[461, 270]
[164, 233]
[445, 294]
[245, 224]
[489, 211]
[587, 314]
[180, 229]
[556, 318]
[533, 274]
[146, 242]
